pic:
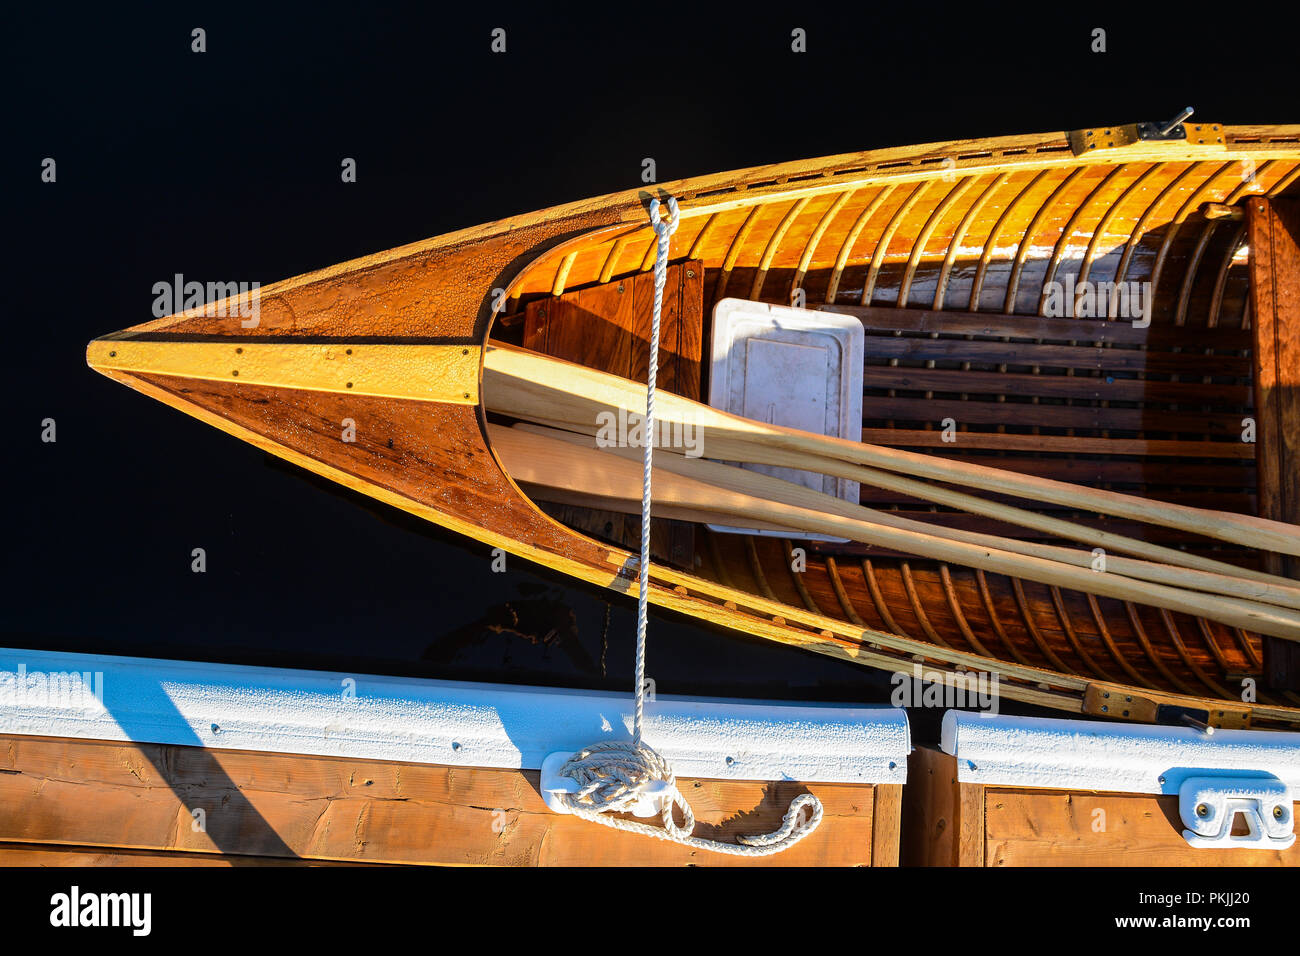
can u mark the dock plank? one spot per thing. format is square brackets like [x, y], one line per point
[111, 797]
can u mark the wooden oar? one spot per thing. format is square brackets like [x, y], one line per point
[542, 460]
[770, 488]
[532, 386]
[1106, 540]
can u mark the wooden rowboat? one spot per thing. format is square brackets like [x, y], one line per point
[953, 257]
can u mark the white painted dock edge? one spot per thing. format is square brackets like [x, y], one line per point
[439, 722]
[1064, 754]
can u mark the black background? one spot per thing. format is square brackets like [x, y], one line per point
[225, 166]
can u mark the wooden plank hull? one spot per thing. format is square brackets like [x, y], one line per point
[980, 228]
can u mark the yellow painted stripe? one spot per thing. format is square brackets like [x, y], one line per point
[436, 373]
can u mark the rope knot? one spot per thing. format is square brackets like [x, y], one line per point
[662, 229]
[616, 776]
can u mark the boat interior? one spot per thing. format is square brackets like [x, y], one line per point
[970, 353]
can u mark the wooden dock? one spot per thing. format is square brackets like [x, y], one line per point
[66, 802]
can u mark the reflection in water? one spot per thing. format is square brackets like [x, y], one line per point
[523, 632]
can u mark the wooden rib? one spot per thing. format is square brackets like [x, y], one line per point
[1207, 633]
[851, 237]
[1106, 637]
[878, 598]
[1210, 224]
[918, 246]
[1027, 238]
[1139, 228]
[1193, 267]
[1058, 601]
[954, 605]
[1248, 646]
[1027, 615]
[917, 606]
[611, 259]
[562, 273]
[799, 586]
[733, 252]
[1221, 281]
[1141, 634]
[991, 243]
[1176, 639]
[756, 566]
[957, 237]
[1281, 185]
[774, 243]
[842, 594]
[698, 244]
[810, 247]
[1175, 224]
[1067, 233]
[887, 237]
[987, 597]
[650, 255]
[721, 567]
[1134, 188]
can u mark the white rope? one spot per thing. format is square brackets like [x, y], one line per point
[614, 776]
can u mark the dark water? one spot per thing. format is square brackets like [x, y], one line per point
[226, 166]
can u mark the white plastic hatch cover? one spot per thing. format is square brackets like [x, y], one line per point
[798, 368]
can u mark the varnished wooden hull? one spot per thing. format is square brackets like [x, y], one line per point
[973, 230]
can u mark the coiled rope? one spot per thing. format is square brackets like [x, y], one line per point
[614, 776]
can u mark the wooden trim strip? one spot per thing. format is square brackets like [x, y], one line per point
[435, 373]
